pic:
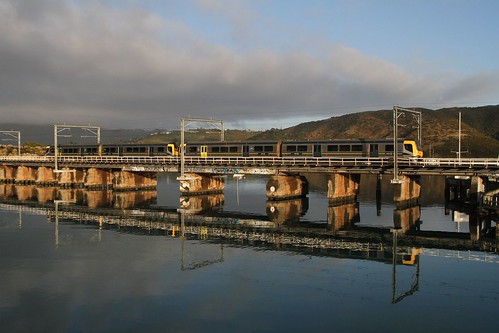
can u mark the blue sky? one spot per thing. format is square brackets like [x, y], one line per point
[253, 64]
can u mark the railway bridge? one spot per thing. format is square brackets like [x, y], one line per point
[201, 175]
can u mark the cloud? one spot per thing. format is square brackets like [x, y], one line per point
[129, 67]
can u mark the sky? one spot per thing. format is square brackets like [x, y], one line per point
[254, 64]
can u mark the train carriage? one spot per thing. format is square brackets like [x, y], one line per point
[235, 148]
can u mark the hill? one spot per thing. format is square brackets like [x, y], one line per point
[479, 133]
[479, 136]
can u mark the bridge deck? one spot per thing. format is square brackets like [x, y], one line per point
[269, 165]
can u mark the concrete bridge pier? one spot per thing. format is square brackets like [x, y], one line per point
[7, 173]
[45, 176]
[98, 178]
[194, 184]
[477, 188]
[342, 187]
[280, 187]
[126, 180]
[25, 175]
[407, 193]
[67, 177]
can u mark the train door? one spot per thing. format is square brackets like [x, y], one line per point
[204, 151]
[373, 150]
[317, 150]
[151, 151]
[246, 151]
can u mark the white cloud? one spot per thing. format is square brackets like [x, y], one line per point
[127, 67]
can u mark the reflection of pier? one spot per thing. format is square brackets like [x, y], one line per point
[338, 239]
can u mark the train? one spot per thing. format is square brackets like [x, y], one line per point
[277, 148]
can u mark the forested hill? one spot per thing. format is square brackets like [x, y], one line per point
[479, 133]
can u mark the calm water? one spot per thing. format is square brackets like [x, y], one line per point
[72, 276]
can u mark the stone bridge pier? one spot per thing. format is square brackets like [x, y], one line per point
[342, 188]
[408, 191]
[280, 187]
[197, 183]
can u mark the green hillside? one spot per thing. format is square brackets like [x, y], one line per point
[479, 134]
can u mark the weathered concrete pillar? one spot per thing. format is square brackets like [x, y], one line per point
[71, 178]
[7, 173]
[46, 176]
[25, 175]
[477, 188]
[286, 211]
[281, 187]
[195, 184]
[407, 193]
[127, 180]
[407, 218]
[341, 217]
[342, 187]
[98, 178]
[195, 204]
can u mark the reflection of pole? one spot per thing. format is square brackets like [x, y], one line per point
[394, 264]
[378, 195]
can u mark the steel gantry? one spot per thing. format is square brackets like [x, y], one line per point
[14, 135]
[397, 112]
[185, 122]
[58, 129]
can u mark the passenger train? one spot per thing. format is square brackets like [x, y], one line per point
[320, 148]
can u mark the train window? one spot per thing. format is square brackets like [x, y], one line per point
[225, 149]
[110, 150]
[332, 147]
[259, 148]
[142, 149]
[269, 148]
[129, 149]
[408, 147]
[290, 148]
[357, 148]
[233, 149]
[302, 148]
[161, 149]
[389, 148]
[193, 150]
[344, 147]
[215, 149]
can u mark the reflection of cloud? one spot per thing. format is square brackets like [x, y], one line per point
[127, 67]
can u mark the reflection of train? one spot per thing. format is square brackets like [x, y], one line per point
[326, 148]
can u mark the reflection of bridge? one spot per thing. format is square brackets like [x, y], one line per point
[232, 227]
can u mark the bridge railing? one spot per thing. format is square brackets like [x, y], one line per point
[260, 161]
